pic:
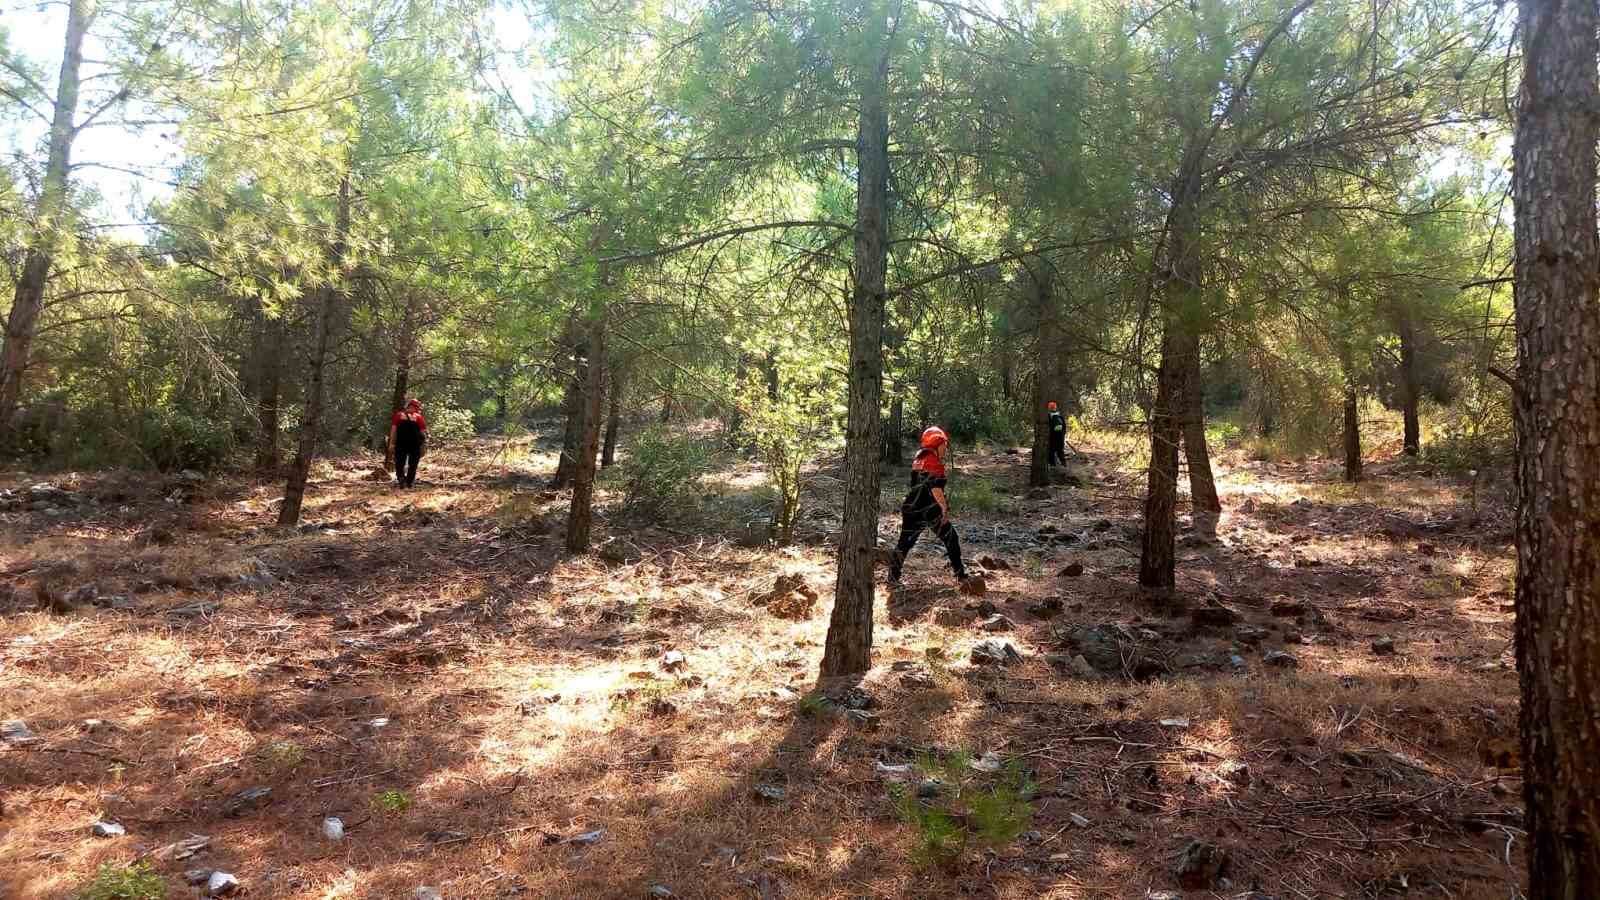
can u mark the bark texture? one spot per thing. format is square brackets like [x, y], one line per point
[848, 649]
[608, 452]
[1047, 379]
[1202, 484]
[1158, 545]
[1352, 433]
[1410, 392]
[311, 424]
[1557, 406]
[28, 300]
[580, 516]
[269, 398]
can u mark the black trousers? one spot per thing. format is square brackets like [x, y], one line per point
[406, 457]
[1058, 450]
[912, 522]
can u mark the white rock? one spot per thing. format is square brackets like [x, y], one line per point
[221, 884]
[1078, 820]
[108, 829]
[989, 762]
[1179, 724]
[333, 828]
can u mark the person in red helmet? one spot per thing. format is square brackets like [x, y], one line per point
[927, 506]
[408, 431]
[1058, 435]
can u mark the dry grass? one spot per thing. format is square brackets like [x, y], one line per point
[437, 644]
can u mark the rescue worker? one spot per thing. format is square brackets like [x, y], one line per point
[927, 506]
[408, 432]
[1058, 436]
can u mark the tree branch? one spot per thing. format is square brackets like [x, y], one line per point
[725, 233]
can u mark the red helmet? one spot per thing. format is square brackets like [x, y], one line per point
[1051, 406]
[933, 437]
[415, 404]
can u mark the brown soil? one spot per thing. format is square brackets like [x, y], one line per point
[437, 644]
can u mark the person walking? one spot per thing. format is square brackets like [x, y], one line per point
[927, 506]
[408, 432]
[1058, 436]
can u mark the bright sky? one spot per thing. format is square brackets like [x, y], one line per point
[144, 161]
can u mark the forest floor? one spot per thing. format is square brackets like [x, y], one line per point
[494, 718]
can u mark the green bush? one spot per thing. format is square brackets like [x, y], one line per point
[971, 495]
[972, 808]
[172, 439]
[450, 425]
[391, 802]
[661, 467]
[135, 882]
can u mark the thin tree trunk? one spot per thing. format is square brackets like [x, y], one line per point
[1409, 390]
[1557, 407]
[1352, 433]
[608, 454]
[666, 396]
[28, 300]
[1202, 484]
[311, 424]
[735, 415]
[1158, 551]
[270, 397]
[848, 649]
[572, 410]
[405, 347]
[769, 371]
[1158, 548]
[1045, 381]
[580, 516]
[894, 432]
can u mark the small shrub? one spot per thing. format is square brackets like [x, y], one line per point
[135, 882]
[662, 467]
[449, 425]
[172, 439]
[391, 802]
[280, 756]
[969, 495]
[990, 811]
[812, 705]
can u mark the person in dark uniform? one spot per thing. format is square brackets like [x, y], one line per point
[408, 431]
[926, 506]
[1058, 436]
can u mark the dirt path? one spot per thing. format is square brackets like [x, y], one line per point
[492, 719]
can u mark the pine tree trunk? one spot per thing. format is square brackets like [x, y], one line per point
[311, 424]
[1557, 407]
[1202, 484]
[848, 649]
[572, 411]
[1158, 546]
[608, 454]
[769, 371]
[1409, 390]
[270, 397]
[1352, 433]
[666, 396]
[27, 302]
[580, 516]
[1044, 382]
[894, 432]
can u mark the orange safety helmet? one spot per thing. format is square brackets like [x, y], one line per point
[415, 404]
[1051, 406]
[933, 437]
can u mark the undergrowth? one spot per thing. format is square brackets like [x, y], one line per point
[970, 808]
[135, 882]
